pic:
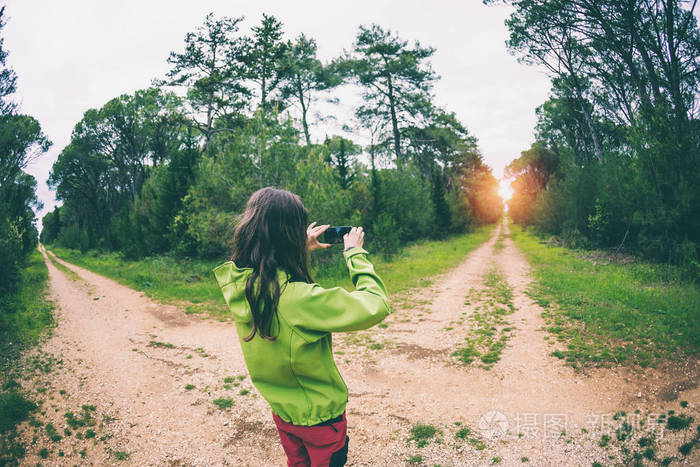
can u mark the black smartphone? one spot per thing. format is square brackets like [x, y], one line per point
[335, 234]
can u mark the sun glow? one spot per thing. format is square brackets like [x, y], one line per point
[505, 190]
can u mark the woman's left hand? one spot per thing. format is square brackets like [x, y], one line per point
[312, 234]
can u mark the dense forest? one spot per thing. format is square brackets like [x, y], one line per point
[617, 157]
[167, 169]
[21, 142]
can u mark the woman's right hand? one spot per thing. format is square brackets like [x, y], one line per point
[354, 238]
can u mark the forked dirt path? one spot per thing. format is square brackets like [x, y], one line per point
[132, 359]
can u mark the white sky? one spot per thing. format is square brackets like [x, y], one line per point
[72, 55]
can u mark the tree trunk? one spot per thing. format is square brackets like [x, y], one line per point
[587, 116]
[210, 106]
[261, 131]
[263, 94]
[375, 182]
[303, 114]
[207, 135]
[394, 120]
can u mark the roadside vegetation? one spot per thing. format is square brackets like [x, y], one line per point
[604, 312]
[189, 283]
[26, 315]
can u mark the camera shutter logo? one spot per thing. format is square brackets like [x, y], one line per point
[492, 424]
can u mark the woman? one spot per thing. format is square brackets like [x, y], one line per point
[284, 321]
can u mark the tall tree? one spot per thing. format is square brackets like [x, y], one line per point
[396, 82]
[8, 78]
[549, 36]
[442, 141]
[85, 184]
[265, 55]
[305, 75]
[264, 60]
[212, 70]
[111, 154]
[21, 142]
[21, 138]
[133, 132]
[18, 235]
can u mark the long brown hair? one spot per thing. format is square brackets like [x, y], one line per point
[271, 235]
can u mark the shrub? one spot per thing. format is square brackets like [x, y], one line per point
[14, 409]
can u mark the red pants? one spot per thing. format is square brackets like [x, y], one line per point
[320, 445]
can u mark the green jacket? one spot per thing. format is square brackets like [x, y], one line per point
[296, 373]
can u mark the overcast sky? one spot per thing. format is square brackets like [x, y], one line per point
[72, 55]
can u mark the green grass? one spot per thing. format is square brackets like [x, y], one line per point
[120, 455]
[478, 444]
[607, 313]
[189, 282]
[678, 422]
[52, 433]
[498, 287]
[26, 314]
[166, 345]
[83, 418]
[223, 402]
[688, 446]
[498, 245]
[422, 434]
[489, 330]
[14, 409]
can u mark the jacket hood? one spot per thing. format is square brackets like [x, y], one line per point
[232, 280]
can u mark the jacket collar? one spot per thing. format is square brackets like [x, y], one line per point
[232, 281]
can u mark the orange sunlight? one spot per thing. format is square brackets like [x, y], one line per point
[505, 190]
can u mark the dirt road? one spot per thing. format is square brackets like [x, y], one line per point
[152, 374]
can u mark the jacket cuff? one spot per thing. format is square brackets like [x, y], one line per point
[353, 251]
